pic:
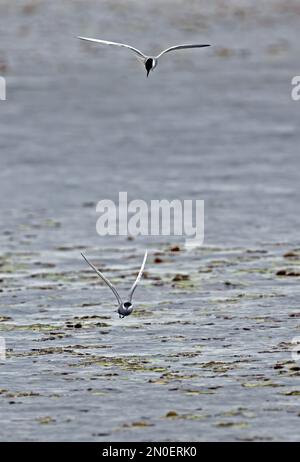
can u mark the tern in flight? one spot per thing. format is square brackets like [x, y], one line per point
[150, 62]
[124, 308]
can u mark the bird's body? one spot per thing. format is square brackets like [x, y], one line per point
[124, 308]
[150, 62]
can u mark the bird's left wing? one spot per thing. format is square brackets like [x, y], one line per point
[105, 42]
[182, 47]
[138, 277]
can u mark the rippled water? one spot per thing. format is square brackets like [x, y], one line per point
[207, 353]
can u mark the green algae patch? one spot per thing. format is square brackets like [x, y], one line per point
[30, 327]
[237, 425]
[292, 393]
[45, 420]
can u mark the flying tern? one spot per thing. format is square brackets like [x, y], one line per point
[124, 308]
[150, 62]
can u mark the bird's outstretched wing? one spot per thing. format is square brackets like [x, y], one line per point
[138, 278]
[114, 290]
[181, 47]
[105, 42]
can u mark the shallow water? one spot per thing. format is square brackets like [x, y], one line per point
[207, 353]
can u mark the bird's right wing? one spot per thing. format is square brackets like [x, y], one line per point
[105, 42]
[138, 277]
[182, 47]
[114, 290]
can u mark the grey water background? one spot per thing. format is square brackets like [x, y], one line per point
[207, 354]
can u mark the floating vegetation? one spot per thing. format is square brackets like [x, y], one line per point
[171, 414]
[288, 272]
[292, 393]
[237, 425]
[46, 420]
[139, 424]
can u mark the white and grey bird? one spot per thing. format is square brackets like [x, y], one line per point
[150, 62]
[124, 308]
